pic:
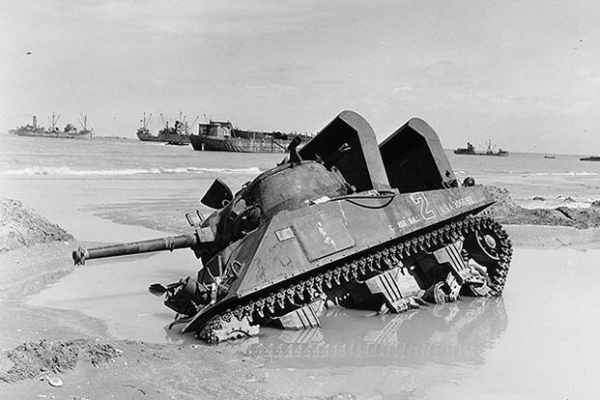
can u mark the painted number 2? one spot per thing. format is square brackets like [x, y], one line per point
[420, 200]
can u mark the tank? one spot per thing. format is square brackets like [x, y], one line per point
[342, 221]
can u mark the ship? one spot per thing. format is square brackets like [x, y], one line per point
[223, 136]
[591, 158]
[68, 132]
[177, 134]
[470, 151]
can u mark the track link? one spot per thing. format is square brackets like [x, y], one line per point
[365, 266]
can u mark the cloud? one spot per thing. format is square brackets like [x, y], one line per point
[230, 17]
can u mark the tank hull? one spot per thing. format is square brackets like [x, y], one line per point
[311, 240]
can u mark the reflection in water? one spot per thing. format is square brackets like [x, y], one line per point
[115, 291]
[451, 333]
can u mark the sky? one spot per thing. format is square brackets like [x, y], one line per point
[524, 74]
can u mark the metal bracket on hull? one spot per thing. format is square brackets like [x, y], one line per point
[305, 317]
[451, 255]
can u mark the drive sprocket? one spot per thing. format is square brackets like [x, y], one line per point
[490, 247]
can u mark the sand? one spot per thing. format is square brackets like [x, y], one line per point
[71, 347]
[41, 344]
[124, 369]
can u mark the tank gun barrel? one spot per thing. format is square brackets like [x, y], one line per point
[144, 246]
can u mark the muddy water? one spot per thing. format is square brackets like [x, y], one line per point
[116, 292]
[538, 341]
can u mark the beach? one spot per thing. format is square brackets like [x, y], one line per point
[536, 341]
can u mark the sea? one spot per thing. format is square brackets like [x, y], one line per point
[538, 341]
[551, 177]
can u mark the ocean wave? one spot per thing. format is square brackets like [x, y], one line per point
[566, 173]
[32, 171]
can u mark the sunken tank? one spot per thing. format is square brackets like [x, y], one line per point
[342, 221]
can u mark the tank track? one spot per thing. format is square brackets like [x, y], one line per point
[363, 267]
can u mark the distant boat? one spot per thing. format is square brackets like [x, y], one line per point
[550, 157]
[68, 132]
[470, 151]
[223, 136]
[178, 134]
[592, 158]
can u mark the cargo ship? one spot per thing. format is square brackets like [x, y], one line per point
[470, 151]
[223, 136]
[68, 132]
[177, 134]
[592, 158]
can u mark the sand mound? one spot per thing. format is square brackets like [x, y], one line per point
[21, 226]
[33, 359]
[508, 212]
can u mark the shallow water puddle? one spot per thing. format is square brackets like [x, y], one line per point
[514, 347]
[116, 291]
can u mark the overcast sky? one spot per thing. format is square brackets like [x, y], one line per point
[525, 74]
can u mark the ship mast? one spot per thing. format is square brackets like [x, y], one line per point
[53, 122]
[83, 122]
[182, 127]
[146, 122]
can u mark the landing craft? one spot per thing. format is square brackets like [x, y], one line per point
[342, 221]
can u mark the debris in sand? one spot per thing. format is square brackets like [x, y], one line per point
[34, 359]
[54, 381]
[566, 199]
[21, 226]
[506, 211]
[342, 396]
